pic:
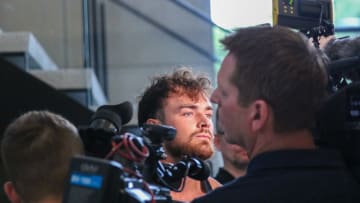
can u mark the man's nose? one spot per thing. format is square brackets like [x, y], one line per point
[204, 121]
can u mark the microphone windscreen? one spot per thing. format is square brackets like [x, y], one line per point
[112, 115]
[125, 110]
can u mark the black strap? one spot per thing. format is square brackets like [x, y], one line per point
[205, 186]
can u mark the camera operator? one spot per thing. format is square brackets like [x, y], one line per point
[36, 150]
[181, 100]
[269, 87]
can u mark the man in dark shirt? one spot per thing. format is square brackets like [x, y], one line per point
[234, 157]
[270, 85]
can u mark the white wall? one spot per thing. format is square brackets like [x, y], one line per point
[138, 50]
[57, 24]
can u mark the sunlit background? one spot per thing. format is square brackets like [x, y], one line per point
[238, 13]
[232, 14]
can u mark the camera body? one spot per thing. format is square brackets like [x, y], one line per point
[116, 158]
[123, 163]
[95, 180]
[314, 18]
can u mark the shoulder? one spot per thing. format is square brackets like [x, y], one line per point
[214, 183]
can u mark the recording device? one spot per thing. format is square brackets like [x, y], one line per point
[338, 125]
[343, 72]
[314, 18]
[344, 68]
[123, 163]
[104, 124]
[338, 121]
[189, 166]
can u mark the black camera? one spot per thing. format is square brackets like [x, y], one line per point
[314, 18]
[123, 163]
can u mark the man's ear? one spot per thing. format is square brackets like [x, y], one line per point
[11, 193]
[259, 115]
[153, 121]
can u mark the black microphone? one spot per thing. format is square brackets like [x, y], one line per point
[112, 117]
[198, 169]
[343, 65]
[172, 175]
[105, 123]
[159, 133]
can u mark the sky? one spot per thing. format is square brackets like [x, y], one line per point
[240, 13]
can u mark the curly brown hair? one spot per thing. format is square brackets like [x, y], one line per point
[182, 82]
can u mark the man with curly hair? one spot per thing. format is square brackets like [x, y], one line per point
[181, 100]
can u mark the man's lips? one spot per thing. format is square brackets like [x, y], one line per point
[203, 136]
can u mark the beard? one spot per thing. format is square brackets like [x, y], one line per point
[240, 164]
[195, 147]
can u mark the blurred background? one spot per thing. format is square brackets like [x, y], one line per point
[112, 47]
[72, 56]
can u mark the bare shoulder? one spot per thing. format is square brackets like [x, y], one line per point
[214, 183]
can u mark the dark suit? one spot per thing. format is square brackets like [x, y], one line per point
[291, 176]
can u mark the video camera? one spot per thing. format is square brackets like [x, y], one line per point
[123, 163]
[314, 18]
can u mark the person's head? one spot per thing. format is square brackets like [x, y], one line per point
[181, 100]
[271, 80]
[36, 150]
[232, 154]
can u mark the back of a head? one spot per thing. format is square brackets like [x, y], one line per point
[281, 67]
[181, 81]
[36, 151]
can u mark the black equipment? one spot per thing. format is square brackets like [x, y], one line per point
[314, 18]
[338, 125]
[338, 121]
[132, 170]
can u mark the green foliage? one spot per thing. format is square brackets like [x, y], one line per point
[219, 51]
[346, 8]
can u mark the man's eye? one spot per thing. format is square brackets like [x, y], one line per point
[188, 113]
[209, 115]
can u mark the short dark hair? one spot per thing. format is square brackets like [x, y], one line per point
[36, 150]
[181, 81]
[281, 67]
